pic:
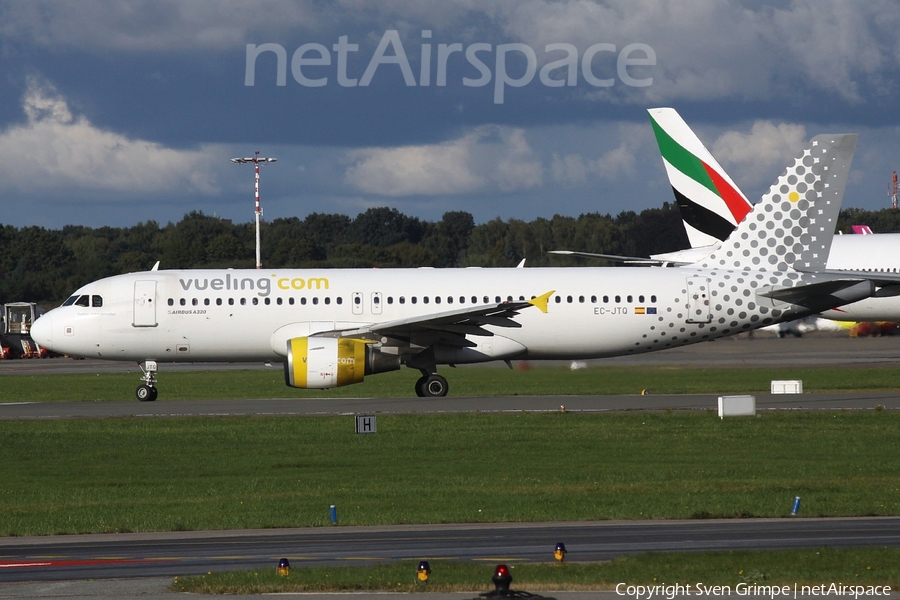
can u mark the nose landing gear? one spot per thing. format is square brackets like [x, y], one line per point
[147, 392]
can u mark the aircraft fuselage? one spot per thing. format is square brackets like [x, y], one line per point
[248, 315]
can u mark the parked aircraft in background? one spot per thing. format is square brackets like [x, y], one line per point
[334, 327]
[712, 205]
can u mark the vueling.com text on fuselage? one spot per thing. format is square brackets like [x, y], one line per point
[261, 285]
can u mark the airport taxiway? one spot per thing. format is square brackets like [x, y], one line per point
[287, 407]
[817, 349]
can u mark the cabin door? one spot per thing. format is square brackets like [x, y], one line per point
[144, 304]
[698, 300]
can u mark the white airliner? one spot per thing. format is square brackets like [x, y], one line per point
[712, 205]
[333, 327]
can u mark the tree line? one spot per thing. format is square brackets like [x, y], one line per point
[45, 266]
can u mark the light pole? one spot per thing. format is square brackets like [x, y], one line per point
[893, 188]
[256, 160]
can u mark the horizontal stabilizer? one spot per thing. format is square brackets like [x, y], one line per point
[823, 295]
[877, 277]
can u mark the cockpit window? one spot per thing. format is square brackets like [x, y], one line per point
[84, 300]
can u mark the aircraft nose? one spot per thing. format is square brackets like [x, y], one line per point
[42, 331]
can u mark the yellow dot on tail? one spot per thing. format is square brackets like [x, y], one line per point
[793, 196]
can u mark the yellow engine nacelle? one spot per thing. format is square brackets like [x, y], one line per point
[320, 362]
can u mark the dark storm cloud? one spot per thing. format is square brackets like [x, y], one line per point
[168, 82]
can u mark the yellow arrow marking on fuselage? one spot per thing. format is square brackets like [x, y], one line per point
[542, 300]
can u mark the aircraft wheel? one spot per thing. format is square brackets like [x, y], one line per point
[420, 386]
[145, 393]
[435, 386]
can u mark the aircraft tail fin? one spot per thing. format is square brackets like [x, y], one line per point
[711, 204]
[792, 226]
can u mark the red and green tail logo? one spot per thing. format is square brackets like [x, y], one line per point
[711, 221]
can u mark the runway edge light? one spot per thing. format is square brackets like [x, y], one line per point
[423, 571]
[284, 567]
[560, 552]
[501, 578]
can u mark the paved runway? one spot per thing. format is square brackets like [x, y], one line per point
[183, 553]
[142, 565]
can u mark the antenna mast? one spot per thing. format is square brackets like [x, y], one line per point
[256, 160]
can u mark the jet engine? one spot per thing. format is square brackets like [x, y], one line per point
[323, 362]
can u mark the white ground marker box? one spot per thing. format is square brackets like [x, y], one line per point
[737, 406]
[787, 386]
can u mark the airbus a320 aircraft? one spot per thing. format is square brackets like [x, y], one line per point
[333, 327]
[712, 205]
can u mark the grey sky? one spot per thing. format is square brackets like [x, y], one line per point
[113, 113]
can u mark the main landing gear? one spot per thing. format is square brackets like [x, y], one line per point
[147, 392]
[431, 385]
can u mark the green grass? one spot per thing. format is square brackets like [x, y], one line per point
[853, 566]
[119, 475]
[463, 382]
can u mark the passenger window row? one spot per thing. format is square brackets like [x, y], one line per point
[450, 299]
[617, 298]
[254, 301]
[357, 300]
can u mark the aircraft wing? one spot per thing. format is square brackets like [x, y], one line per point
[450, 327]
